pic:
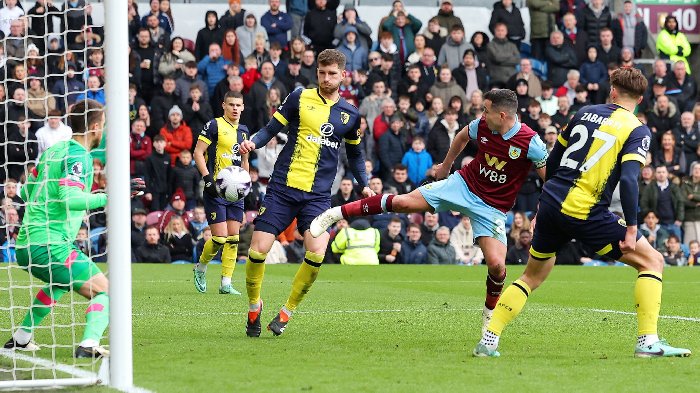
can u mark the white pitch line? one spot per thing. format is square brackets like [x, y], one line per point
[677, 317]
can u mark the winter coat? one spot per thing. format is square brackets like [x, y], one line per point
[413, 253]
[364, 32]
[561, 59]
[158, 173]
[673, 46]
[246, 38]
[212, 72]
[39, 102]
[409, 32]
[357, 58]
[462, 239]
[393, 147]
[438, 143]
[692, 210]
[542, 17]
[512, 19]
[71, 89]
[663, 122]
[318, 26]
[441, 254]
[180, 248]
[187, 178]
[160, 106]
[97, 95]
[153, 253]
[358, 245]
[183, 85]
[140, 148]
[452, 53]
[283, 24]
[687, 92]
[593, 72]
[688, 142]
[448, 19]
[229, 21]
[640, 33]
[176, 140]
[460, 76]
[197, 120]
[650, 199]
[258, 98]
[207, 36]
[386, 246]
[502, 57]
[417, 164]
[588, 22]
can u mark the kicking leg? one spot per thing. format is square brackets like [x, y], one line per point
[254, 272]
[495, 255]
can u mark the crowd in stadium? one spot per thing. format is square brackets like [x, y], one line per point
[415, 85]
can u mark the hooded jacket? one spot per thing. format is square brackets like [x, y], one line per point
[246, 37]
[503, 56]
[207, 36]
[409, 32]
[512, 19]
[357, 57]
[640, 31]
[452, 53]
[363, 30]
[591, 24]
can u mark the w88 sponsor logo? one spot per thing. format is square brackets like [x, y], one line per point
[493, 175]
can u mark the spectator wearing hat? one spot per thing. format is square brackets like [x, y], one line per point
[292, 77]
[276, 23]
[176, 208]
[233, 18]
[94, 91]
[452, 51]
[350, 18]
[446, 16]
[319, 24]
[468, 76]
[138, 227]
[505, 12]
[158, 175]
[152, 251]
[355, 53]
[393, 145]
[502, 55]
[178, 136]
[189, 78]
[248, 33]
[163, 102]
[534, 83]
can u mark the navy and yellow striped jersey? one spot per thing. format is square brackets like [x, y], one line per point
[309, 160]
[223, 138]
[596, 142]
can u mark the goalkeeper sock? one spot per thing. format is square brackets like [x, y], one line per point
[304, 279]
[494, 286]
[368, 206]
[41, 307]
[254, 273]
[97, 318]
[509, 306]
[228, 258]
[211, 248]
[647, 296]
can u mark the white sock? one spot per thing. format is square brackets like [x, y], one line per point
[22, 336]
[286, 311]
[89, 343]
[201, 267]
[647, 339]
[490, 340]
[254, 307]
[225, 280]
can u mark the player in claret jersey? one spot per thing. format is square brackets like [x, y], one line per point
[601, 146]
[484, 190]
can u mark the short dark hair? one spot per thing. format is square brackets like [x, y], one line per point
[158, 138]
[503, 100]
[233, 94]
[457, 27]
[84, 114]
[387, 56]
[580, 88]
[400, 167]
[331, 56]
[412, 225]
[395, 219]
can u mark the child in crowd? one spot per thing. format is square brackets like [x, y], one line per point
[417, 160]
[251, 74]
[186, 176]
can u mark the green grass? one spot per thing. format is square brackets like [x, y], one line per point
[400, 329]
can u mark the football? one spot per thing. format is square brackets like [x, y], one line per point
[233, 183]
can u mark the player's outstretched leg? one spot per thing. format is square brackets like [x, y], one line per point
[228, 264]
[510, 304]
[211, 248]
[41, 307]
[254, 273]
[97, 318]
[303, 280]
[494, 254]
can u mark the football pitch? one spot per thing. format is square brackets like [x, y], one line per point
[403, 329]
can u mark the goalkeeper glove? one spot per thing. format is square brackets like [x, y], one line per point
[210, 187]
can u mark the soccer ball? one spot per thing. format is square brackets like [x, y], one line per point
[233, 183]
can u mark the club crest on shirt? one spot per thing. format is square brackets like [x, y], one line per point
[646, 143]
[514, 152]
[344, 117]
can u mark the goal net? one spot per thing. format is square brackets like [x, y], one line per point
[52, 57]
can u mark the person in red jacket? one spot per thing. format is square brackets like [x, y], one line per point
[178, 136]
[140, 147]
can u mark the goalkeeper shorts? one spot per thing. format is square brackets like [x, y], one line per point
[62, 265]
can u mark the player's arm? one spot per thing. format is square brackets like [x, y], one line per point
[203, 142]
[72, 192]
[356, 160]
[633, 154]
[537, 153]
[26, 191]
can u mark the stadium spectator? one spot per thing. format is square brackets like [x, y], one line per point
[196, 111]
[251, 74]
[671, 156]
[207, 35]
[152, 251]
[593, 72]
[309, 66]
[9, 13]
[690, 190]
[505, 12]
[550, 136]
[178, 136]
[67, 91]
[446, 16]
[145, 115]
[664, 197]
[141, 147]
[212, 68]
[399, 182]
[440, 251]
[230, 48]
[468, 76]
[179, 241]
[417, 160]
[260, 51]
[523, 98]
[657, 89]
[593, 18]
[672, 44]
[174, 60]
[502, 56]
[685, 86]
[138, 227]
[392, 144]
[355, 53]
[542, 24]
[373, 105]
[403, 28]
[350, 18]
[186, 177]
[293, 78]
[21, 148]
[548, 100]
[518, 254]
[34, 64]
[663, 117]
[296, 48]
[655, 234]
[520, 223]
[413, 251]
[163, 21]
[188, 79]
[275, 57]
[158, 175]
[198, 223]
[134, 68]
[94, 91]
[165, 10]
[435, 35]
[358, 244]
[175, 209]
[276, 23]
[687, 136]
[159, 35]
[526, 73]
[560, 58]
[233, 18]
[267, 155]
[345, 193]
[349, 90]
[674, 255]
[248, 33]
[629, 29]
[390, 240]
[258, 92]
[150, 59]
[532, 114]
[11, 198]
[694, 247]
[608, 52]
[574, 37]
[387, 73]
[462, 239]
[163, 102]
[53, 131]
[134, 102]
[429, 226]
[446, 87]
[442, 134]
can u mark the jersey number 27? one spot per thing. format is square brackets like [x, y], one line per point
[582, 131]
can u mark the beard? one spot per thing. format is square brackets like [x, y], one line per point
[328, 89]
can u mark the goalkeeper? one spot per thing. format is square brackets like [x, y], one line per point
[57, 194]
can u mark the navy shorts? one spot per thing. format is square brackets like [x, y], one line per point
[220, 210]
[602, 233]
[283, 204]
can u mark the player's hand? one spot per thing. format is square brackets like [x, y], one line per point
[210, 186]
[442, 171]
[137, 187]
[533, 222]
[246, 147]
[630, 242]
[367, 192]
